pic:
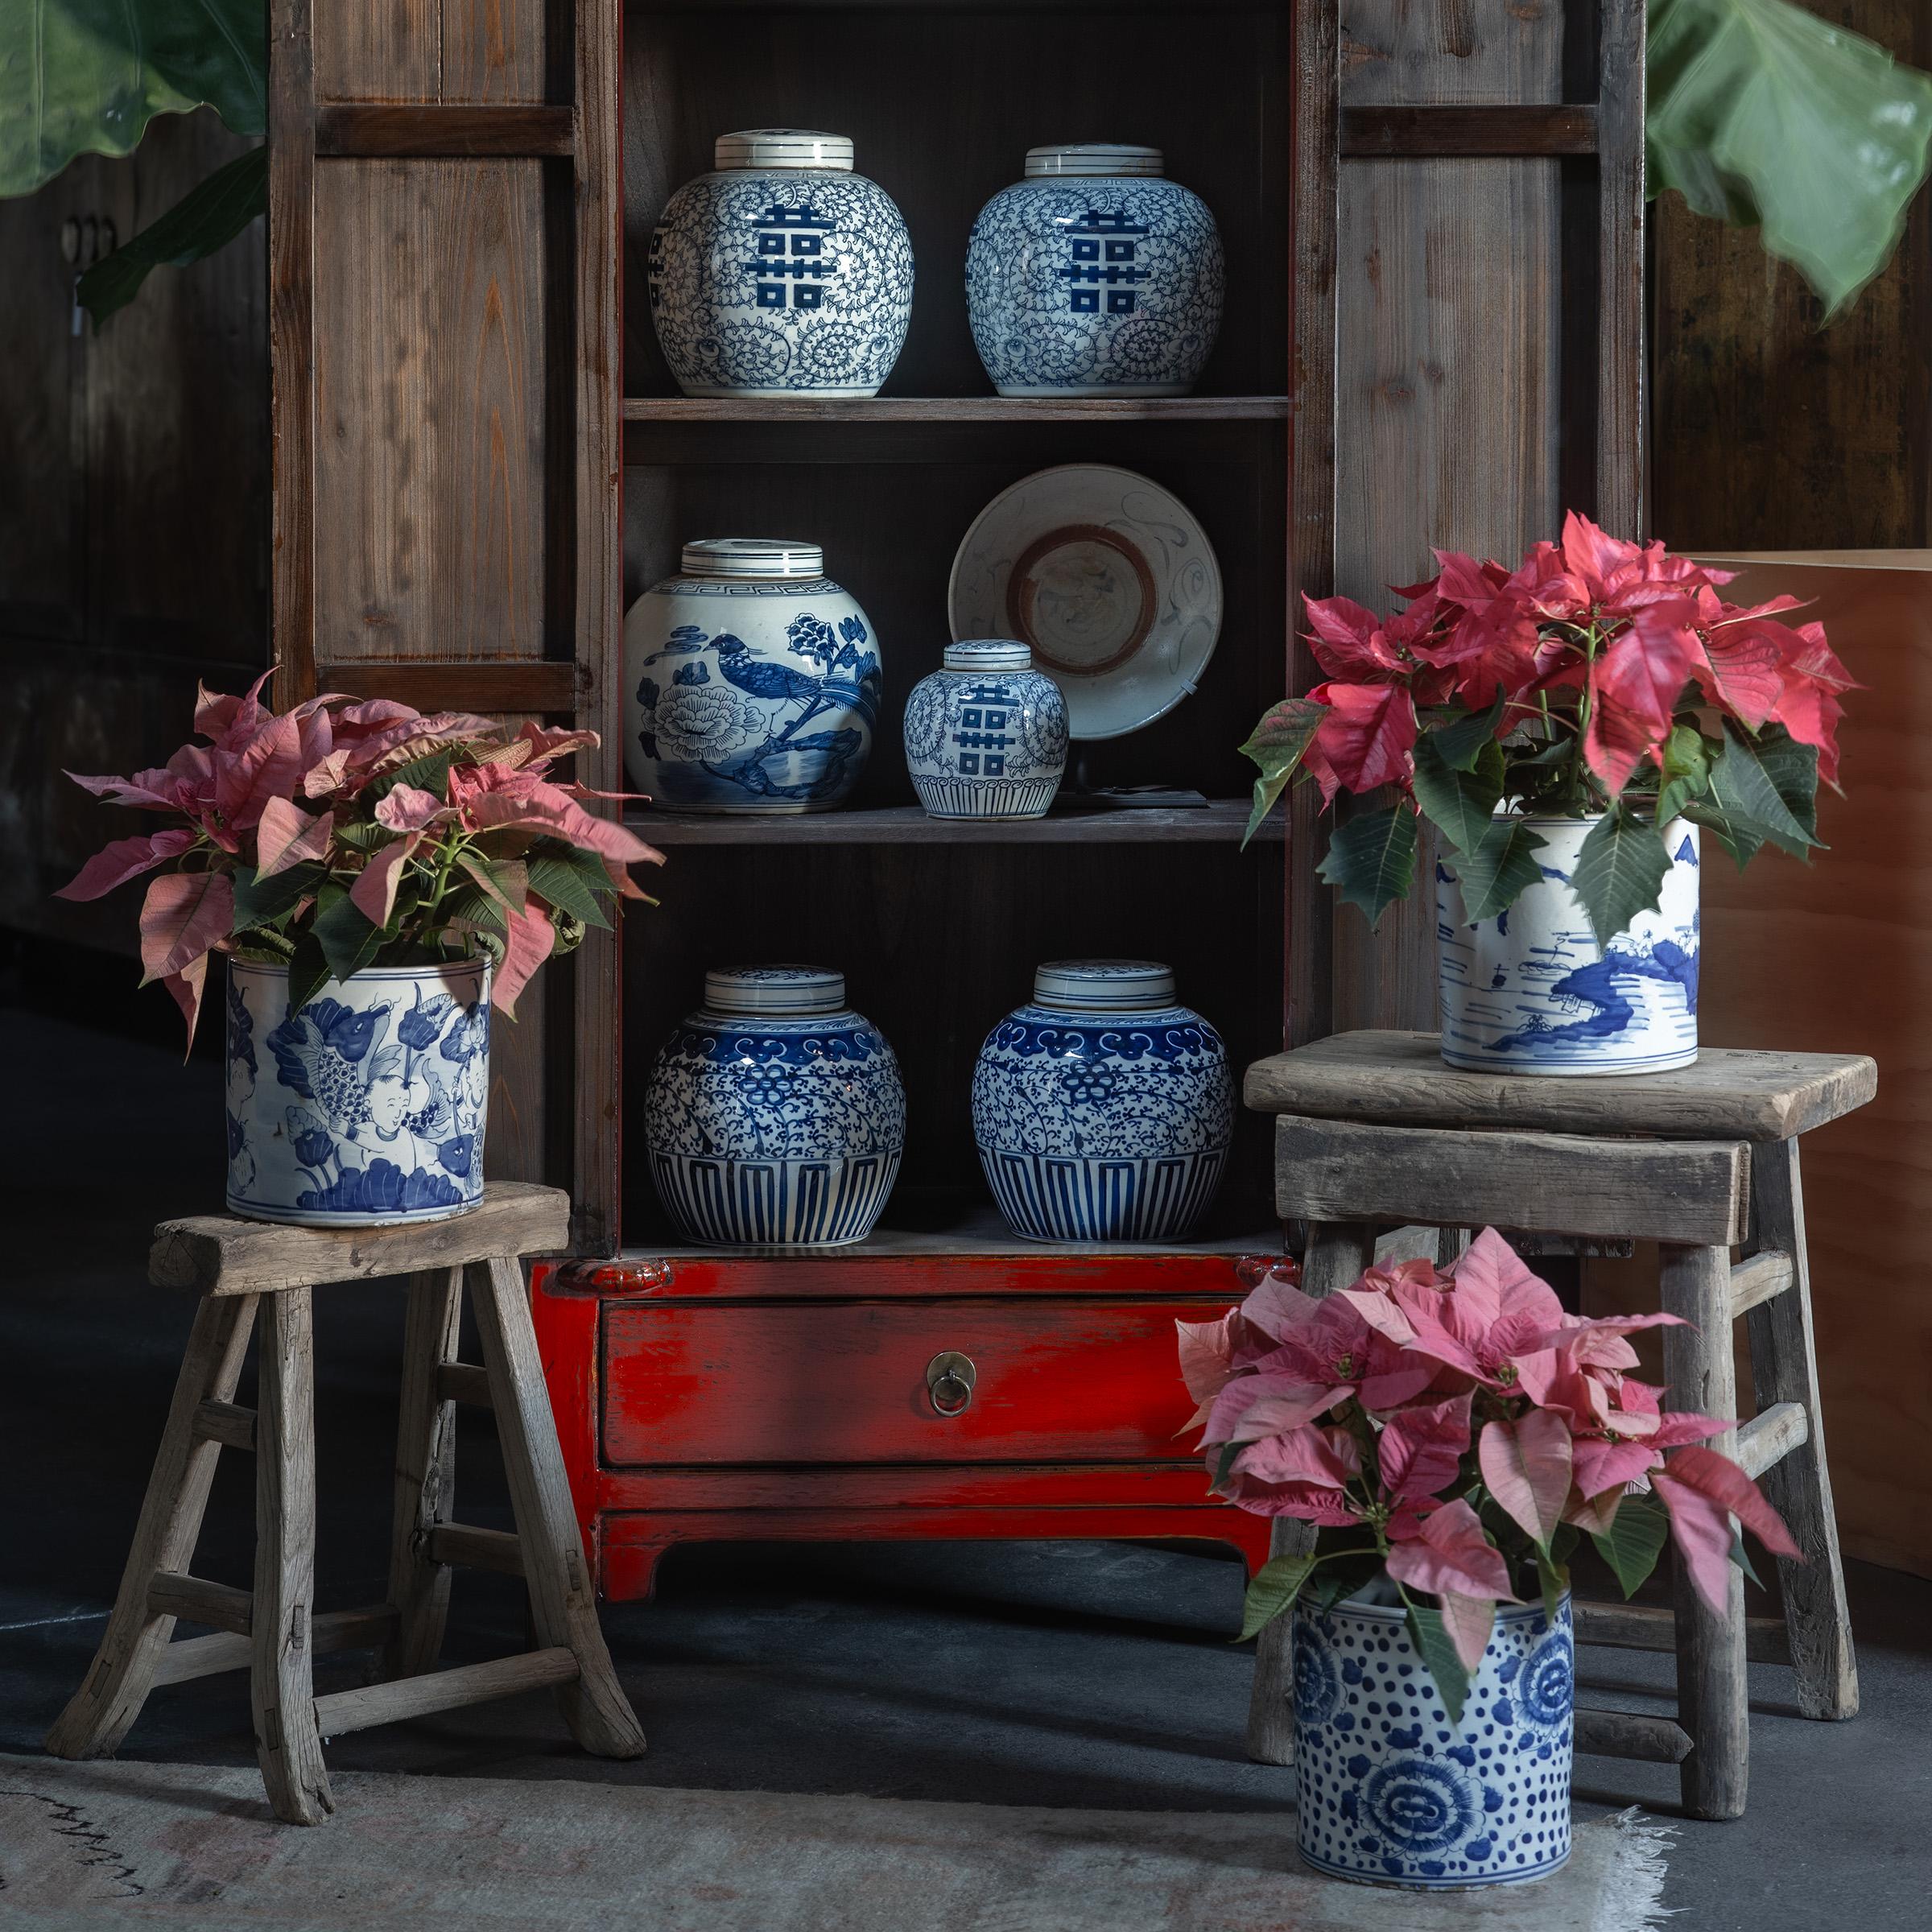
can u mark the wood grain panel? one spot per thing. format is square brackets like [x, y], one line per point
[494, 50]
[429, 514]
[1429, 51]
[379, 50]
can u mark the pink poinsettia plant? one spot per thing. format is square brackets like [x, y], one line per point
[343, 834]
[1456, 1433]
[1598, 677]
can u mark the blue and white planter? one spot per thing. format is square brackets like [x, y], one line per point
[781, 273]
[751, 682]
[1531, 992]
[366, 1108]
[1095, 276]
[1102, 1111]
[1389, 1792]
[986, 736]
[774, 1115]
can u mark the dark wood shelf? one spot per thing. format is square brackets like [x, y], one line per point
[684, 410]
[1220, 822]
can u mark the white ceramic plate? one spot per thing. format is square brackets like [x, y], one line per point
[1108, 578]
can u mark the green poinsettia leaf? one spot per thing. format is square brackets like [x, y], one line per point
[1684, 770]
[567, 879]
[1275, 1586]
[1619, 871]
[1634, 1540]
[1761, 114]
[86, 76]
[1495, 875]
[1462, 801]
[1371, 859]
[1746, 805]
[260, 903]
[1461, 741]
[1277, 745]
[308, 971]
[349, 939]
[1437, 1651]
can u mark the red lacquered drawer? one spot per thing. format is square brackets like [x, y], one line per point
[1059, 1380]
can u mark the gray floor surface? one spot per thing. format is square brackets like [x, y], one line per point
[1048, 1673]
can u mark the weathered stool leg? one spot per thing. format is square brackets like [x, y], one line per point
[426, 1475]
[281, 1683]
[1783, 1369]
[1695, 1283]
[1336, 1254]
[562, 1602]
[116, 1685]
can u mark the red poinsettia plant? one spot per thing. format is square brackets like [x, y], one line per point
[1599, 677]
[342, 834]
[1455, 1433]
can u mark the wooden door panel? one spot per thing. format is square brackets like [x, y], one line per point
[1072, 1380]
[432, 50]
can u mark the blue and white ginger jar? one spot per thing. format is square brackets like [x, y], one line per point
[1531, 991]
[1389, 1791]
[751, 682]
[774, 1115]
[1095, 276]
[781, 273]
[1103, 1111]
[986, 736]
[366, 1108]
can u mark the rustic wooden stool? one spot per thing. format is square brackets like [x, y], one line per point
[1375, 1131]
[238, 1266]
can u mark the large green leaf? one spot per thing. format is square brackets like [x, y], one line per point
[86, 76]
[1619, 871]
[1283, 735]
[1438, 1652]
[1767, 791]
[1634, 1540]
[1500, 870]
[1276, 1585]
[1462, 803]
[1761, 114]
[1371, 860]
[208, 216]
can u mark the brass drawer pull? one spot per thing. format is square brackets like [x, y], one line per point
[949, 1380]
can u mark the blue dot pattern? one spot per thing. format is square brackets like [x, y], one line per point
[1389, 1791]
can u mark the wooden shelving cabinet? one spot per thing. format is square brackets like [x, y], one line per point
[481, 460]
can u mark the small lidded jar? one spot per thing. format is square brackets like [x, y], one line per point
[986, 735]
[781, 272]
[1103, 1111]
[774, 1115]
[1095, 276]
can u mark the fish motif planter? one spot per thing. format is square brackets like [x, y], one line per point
[1388, 1791]
[752, 682]
[1531, 992]
[1094, 276]
[782, 273]
[366, 1108]
[1103, 1111]
[986, 736]
[774, 1116]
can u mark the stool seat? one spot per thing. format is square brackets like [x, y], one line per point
[1400, 1080]
[249, 1270]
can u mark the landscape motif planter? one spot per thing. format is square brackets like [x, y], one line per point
[774, 1116]
[986, 736]
[1103, 1111]
[1531, 992]
[1389, 1792]
[367, 1107]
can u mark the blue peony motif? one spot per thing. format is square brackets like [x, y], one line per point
[1548, 1683]
[1318, 1685]
[382, 1187]
[811, 636]
[852, 630]
[1420, 1806]
[692, 674]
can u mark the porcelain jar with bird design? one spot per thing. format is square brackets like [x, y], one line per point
[366, 1105]
[751, 682]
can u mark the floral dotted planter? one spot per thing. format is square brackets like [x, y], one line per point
[1388, 1791]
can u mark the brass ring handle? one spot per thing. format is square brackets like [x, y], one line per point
[949, 1380]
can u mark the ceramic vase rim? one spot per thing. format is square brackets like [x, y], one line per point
[276, 969]
[1397, 1613]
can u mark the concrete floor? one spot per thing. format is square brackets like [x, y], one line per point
[1062, 1674]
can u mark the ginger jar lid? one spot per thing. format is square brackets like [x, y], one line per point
[1103, 985]
[750, 991]
[989, 654]
[1092, 158]
[751, 557]
[781, 148]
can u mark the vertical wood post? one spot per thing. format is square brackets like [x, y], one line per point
[1783, 1369]
[1711, 1692]
[1337, 1252]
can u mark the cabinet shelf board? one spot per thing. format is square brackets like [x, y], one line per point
[884, 410]
[1221, 821]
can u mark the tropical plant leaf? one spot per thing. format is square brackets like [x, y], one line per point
[1552, 1580]
[1685, 765]
[1277, 745]
[1461, 742]
[1634, 1540]
[1741, 1556]
[1275, 1586]
[1745, 806]
[1437, 1651]
[558, 878]
[260, 903]
[1619, 871]
[1462, 803]
[1792, 770]
[86, 76]
[208, 216]
[348, 939]
[1495, 875]
[1371, 859]
[308, 971]
[1761, 114]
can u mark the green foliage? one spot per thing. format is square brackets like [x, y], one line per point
[1462, 741]
[1620, 871]
[1684, 770]
[1634, 1540]
[348, 940]
[1765, 793]
[1276, 1585]
[569, 880]
[1279, 741]
[1434, 1645]
[1499, 870]
[1371, 860]
[268, 902]
[208, 216]
[1461, 799]
[1762, 115]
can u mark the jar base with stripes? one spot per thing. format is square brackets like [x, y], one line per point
[1068, 1198]
[754, 1203]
